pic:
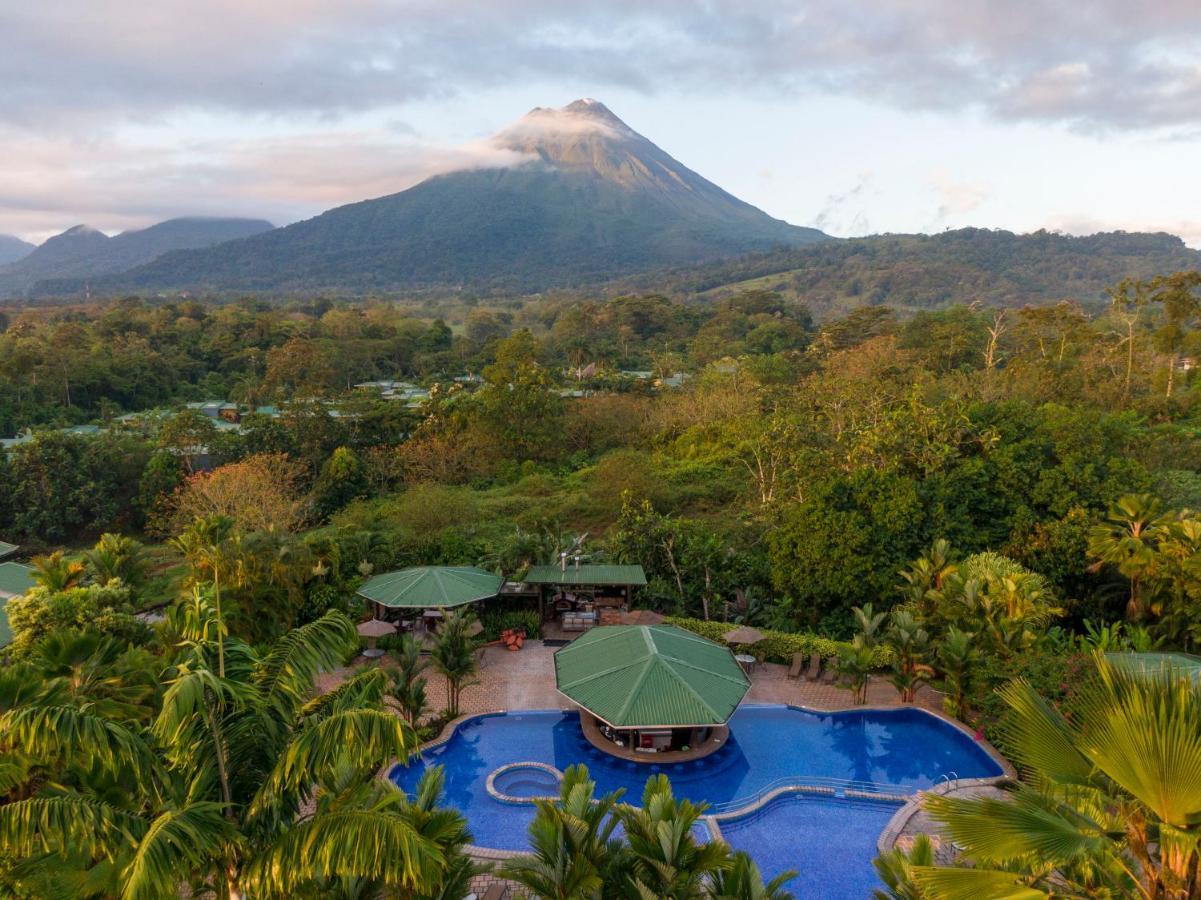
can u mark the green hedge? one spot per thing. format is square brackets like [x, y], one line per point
[779, 645]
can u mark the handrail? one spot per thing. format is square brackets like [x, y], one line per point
[802, 782]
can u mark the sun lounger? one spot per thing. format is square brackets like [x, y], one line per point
[496, 892]
[829, 673]
[815, 667]
[798, 664]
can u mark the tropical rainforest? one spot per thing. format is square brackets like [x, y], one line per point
[958, 495]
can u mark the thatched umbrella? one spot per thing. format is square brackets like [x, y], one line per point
[744, 634]
[372, 629]
[643, 617]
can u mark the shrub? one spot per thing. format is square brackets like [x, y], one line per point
[105, 609]
[780, 645]
[1055, 675]
[500, 620]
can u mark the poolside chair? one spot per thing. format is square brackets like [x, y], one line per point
[497, 892]
[798, 664]
[830, 672]
[815, 667]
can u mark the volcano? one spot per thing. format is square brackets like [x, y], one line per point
[579, 197]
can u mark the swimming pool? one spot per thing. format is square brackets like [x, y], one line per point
[903, 749]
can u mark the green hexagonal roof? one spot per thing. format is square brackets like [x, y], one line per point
[638, 676]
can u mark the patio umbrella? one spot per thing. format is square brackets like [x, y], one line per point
[372, 629]
[643, 617]
[744, 634]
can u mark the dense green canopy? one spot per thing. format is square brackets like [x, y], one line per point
[431, 586]
[637, 676]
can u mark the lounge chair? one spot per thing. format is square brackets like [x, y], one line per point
[815, 667]
[830, 673]
[496, 892]
[798, 664]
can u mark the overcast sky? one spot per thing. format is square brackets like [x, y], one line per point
[855, 116]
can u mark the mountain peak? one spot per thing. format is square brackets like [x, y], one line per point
[82, 231]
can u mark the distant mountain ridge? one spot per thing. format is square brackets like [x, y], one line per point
[13, 248]
[932, 271]
[82, 252]
[586, 198]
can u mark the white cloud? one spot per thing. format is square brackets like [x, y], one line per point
[956, 198]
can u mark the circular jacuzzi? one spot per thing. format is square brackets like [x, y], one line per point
[523, 782]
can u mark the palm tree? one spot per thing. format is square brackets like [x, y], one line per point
[408, 687]
[117, 556]
[909, 642]
[1128, 539]
[453, 657]
[205, 544]
[216, 786]
[573, 854]
[742, 881]
[956, 657]
[666, 859]
[855, 663]
[868, 622]
[895, 869]
[56, 572]
[1110, 804]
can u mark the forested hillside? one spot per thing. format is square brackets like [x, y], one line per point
[909, 272]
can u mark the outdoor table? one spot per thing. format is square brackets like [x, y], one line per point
[746, 661]
[373, 653]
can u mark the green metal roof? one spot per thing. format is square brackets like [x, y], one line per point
[1155, 662]
[638, 676]
[623, 575]
[15, 579]
[434, 586]
[7, 549]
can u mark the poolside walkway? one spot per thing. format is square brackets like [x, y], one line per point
[526, 680]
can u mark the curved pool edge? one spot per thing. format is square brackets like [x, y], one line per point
[1007, 769]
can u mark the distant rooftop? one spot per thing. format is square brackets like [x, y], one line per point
[590, 574]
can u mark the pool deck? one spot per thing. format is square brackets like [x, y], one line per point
[526, 680]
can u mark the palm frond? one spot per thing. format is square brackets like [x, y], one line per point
[939, 883]
[365, 739]
[1039, 738]
[1144, 732]
[68, 823]
[177, 842]
[286, 674]
[364, 843]
[74, 735]
[1027, 825]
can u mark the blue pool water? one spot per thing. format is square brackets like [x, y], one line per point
[905, 748]
[830, 844]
